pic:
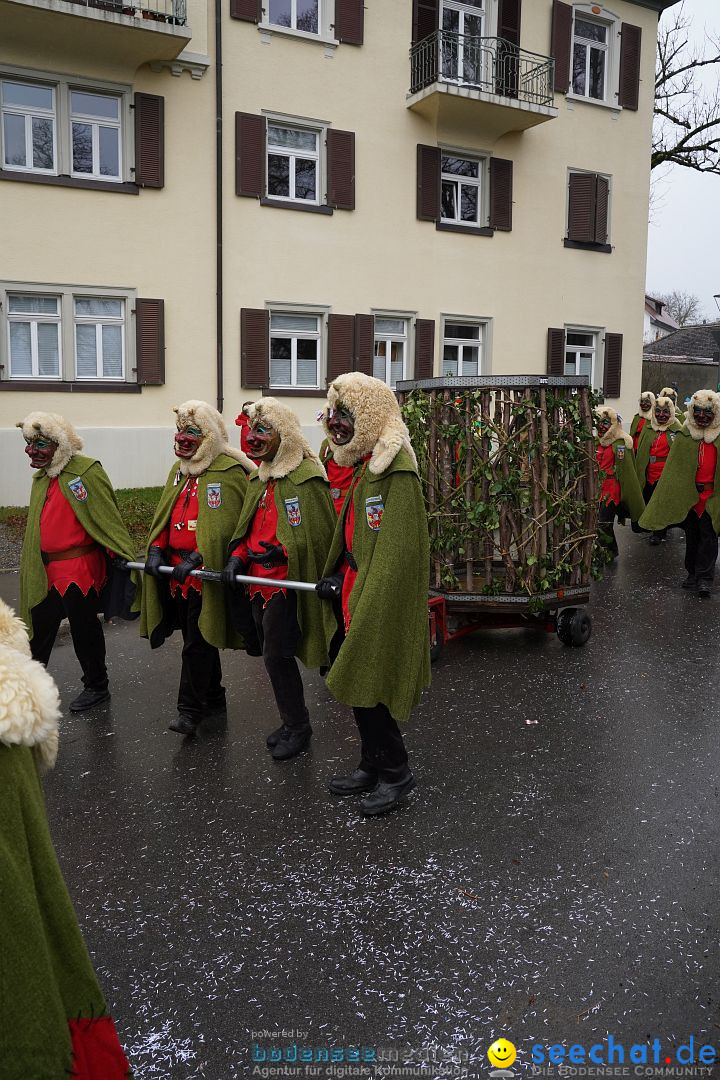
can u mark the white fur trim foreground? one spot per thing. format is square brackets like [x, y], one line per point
[29, 699]
[58, 430]
[615, 430]
[379, 426]
[215, 438]
[704, 398]
[294, 447]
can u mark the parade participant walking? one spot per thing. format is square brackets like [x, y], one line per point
[242, 421]
[284, 531]
[653, 449]
[193, 524]
[379, 564]
[339, 476]
[69, 565]
[671, 392]
[54, 1017]
[642, 417]
[688, 492]
[620, 494]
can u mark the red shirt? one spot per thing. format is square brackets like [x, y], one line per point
[243, 422]
[340, 477]
[181, 533]
[263, 527]
[659, 450]
[638, 431]
[610, 490]
[60, 530]
[707, 461]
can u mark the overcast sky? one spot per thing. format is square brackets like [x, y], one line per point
[684, 232]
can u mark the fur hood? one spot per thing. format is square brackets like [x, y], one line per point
[615, 430]
[669, 391]
[704, 397]
[294, 447]
[646, 394]
[215, 438]
[58, 430]
[29, 699]
[669, 404]
[379, 426]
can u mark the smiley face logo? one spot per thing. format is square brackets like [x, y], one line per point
[502, 1054]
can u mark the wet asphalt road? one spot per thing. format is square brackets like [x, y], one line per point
[551, 882]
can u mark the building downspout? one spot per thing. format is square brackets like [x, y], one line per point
[219, 206]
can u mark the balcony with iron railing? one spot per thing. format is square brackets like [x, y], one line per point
[456, 76]
[130, 31]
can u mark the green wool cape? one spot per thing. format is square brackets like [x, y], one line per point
[632, 503]
[636, 420]
[676, 494]
[385, 657]
[305, 491]
[214, 529]
[647, 438]
[46, 976]
[99, 515]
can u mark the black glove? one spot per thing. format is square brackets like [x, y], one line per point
[234, 565]
[192, 561]
[330, 588]
[274, 555]
[118, 563]
[154, 558]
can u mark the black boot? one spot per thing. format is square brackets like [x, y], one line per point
[277, 735]
[703, 588]
[88, 699]
[386, 797]
[690, 582]
[293, 744]
[184, 724]
[354, 783]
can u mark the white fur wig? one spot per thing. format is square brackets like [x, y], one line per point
[379, 427]
[704, 398]
[662, 402]
[669, 391]
[294, 447]
[58, 430]
[615, 430]
[29, 699]
[214, 441]
[647, 395]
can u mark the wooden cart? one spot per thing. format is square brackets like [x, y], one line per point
[508, 467]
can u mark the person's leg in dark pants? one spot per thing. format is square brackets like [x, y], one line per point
[201, 692]
[382, 748]
[279, 633]
[87, 636]
[691, 528]
[46, 619]
[606, 531]
[660, 535]
[706, 553]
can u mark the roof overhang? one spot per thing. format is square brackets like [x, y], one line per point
[655, 5]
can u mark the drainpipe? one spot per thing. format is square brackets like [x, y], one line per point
[218, 205]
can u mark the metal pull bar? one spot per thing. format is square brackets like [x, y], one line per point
[214, 575]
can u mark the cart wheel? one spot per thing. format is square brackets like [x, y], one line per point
[580, 627]
[564, 620]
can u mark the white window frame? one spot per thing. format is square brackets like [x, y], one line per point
[480, 182]
[325, 31]
[482, 342]
[28, 113]
[67, 295]
[311, 127]
[95, 123]
[62, 85]
[34, 318]
[612, 54]
[301, 311]
[99, 321]
[389, 338]
[597, 334]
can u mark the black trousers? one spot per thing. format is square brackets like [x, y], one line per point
[701, 546]
[201, 690]
[85, 627]
[279, 634]
[647, 496]
[382, 747]
[606, 521]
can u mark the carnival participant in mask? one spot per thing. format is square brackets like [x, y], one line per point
[641, 417]
[620, 494]
[653, 449]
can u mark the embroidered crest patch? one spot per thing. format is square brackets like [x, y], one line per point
[374, 509]
[78, 489]
[620, 452]
[335, 493]
[292, 509]
[671, 435]
[214, 496]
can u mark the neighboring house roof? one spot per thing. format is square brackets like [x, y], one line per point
[656, 310]
[689, 342]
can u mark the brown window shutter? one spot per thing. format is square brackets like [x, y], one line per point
[602, 202]
[341, 169]
[254, 348]
[428, 183]
[150, 342]
[581, 208]
[509, 21]
[424, 348]
[341, 345]
[426, 19]
[349, 21]
[631, 37]
[250, 155]
[561, 44]
[555, 351]
[364, 343]
[501, 194]
[613, 365]
[149, 140]
[249, 10]
[508, 61]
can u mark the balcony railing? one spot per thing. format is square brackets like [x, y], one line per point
[492, 65]
[173, 12]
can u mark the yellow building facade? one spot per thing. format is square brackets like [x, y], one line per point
[223, 200]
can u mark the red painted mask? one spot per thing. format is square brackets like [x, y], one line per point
[40, 450]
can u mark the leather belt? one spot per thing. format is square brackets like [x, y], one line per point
[704, 487]
[653, 459]
[68, 553]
